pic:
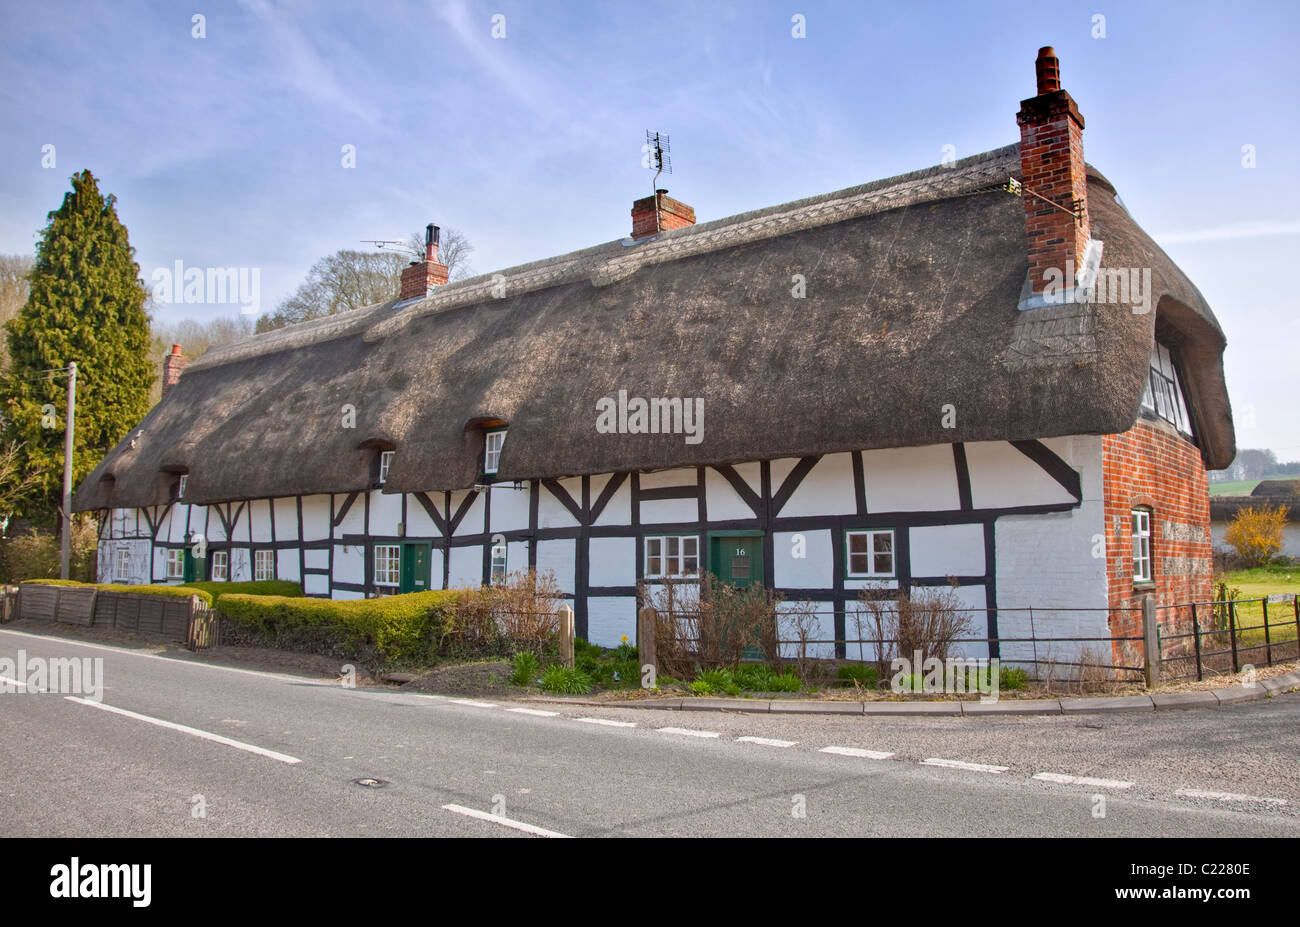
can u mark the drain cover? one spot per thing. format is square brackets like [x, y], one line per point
[370, 783]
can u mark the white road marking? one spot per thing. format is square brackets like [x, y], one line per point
[962, 764]
[185, 729]
[471, 703]
[504, 822]
[766, 741]
[607, 722]
[1227, 796]
[1063, 779]
[857, 751]
[534, 711]
[687, 732]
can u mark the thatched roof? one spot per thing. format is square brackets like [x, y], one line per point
[912, 286]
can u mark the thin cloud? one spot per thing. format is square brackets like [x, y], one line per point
[1232, 232]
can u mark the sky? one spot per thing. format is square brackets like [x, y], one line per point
[227, 139]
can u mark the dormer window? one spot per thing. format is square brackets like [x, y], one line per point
[385, 461]
[180, 487]
[493, 440]
[1163, 396]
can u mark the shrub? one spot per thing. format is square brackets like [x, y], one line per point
[1012, 677]
[526, 669]
[27, 557]
[711, 624]
[566, 681]
[862, 673]
[395, 628]
[1256, 533]
[280, 587]
[920, 619]
[181, 592]
[715, 681]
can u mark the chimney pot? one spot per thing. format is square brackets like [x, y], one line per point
[173, 365]
[1052, 168]
[422, 276]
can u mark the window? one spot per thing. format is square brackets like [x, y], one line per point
[263, 565]
[176, 564]
[492, 450]
[498, 563]
[1164, 395]
[220, 566]
[1142, 545]
[123, 563]
[672, 555]
[871, 554]
[388, 565]
[385, 461]
[180, 487]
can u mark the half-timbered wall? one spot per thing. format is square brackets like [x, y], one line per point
[1010, 523]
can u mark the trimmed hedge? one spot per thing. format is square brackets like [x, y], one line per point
[398, 628]
[208, 593]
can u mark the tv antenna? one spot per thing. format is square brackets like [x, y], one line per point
[380, 243]
[656, 145]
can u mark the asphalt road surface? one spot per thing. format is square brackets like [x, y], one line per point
[182, 748]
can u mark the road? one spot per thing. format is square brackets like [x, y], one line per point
[294, 747]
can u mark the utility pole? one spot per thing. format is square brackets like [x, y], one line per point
[65, 559]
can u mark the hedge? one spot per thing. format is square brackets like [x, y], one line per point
[398, 628]
[208, 593]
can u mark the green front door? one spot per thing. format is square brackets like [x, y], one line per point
[415, 566]
[190, 566]
[737, 560]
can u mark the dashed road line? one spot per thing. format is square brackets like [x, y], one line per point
[534, 711]
[504, 822]
[185, 729]
[1090, 781]
[962, 764]
[858, 752]
[1228, 796]
[766, 741]
[606, 722]
[687, 732]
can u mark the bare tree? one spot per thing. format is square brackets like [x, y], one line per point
[195, 337]
[15, 482]
[348, 280]
[14, 269]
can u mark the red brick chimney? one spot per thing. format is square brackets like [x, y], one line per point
[1051, 167]
[423, 276]
[173, 364]
[658, 213]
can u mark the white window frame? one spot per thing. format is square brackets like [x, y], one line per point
[220, 566]
[385, 461]
[500, 558]
[660, 547]
[258, 560]
[175, 563]
[493, 441]
[388, 566]
[180, 487]
[1140, 527]
[871, 553]
[122, 568]
[1163, 396]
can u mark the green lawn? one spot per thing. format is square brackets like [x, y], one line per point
[1236, 488]
[1264, 581]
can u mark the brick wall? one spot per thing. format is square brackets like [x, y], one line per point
[1152, 465]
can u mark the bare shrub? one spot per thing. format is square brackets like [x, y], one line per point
[1094, 674]
[923, 618]
[799, 622]
[710, 624]
[676, 607]
[521, 613]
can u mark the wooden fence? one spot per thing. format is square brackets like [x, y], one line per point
[172, 617]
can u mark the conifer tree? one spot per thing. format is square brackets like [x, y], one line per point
[86, 304]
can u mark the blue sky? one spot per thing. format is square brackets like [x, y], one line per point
[227, 150]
